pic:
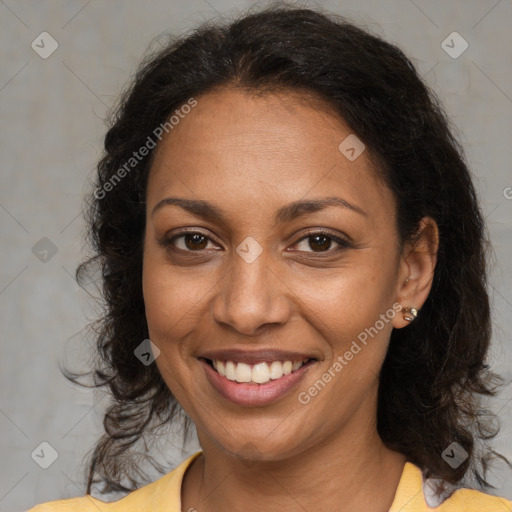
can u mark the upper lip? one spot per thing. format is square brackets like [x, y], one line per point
[255, 356]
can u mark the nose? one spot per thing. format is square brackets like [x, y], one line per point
[251, 297]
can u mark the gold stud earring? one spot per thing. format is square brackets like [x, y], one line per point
[410, 314]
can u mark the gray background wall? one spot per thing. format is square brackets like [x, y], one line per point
[51, 115]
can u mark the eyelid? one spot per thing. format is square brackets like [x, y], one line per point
[167, 240]
[343, 241]
[341, 237]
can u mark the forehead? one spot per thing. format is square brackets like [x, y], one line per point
[253, 147]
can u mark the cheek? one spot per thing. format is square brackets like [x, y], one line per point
[169, 296]
[164, 306]
[355, 321]
[344, 302]
[166, 315]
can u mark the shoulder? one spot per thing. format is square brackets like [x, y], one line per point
[73, 504]
[162, 495]
[469, 500]
[414, 496]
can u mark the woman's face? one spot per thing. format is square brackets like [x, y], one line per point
[259, 275]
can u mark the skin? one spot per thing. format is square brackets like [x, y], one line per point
[250, 155]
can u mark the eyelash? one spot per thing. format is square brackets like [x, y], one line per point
[343, 244]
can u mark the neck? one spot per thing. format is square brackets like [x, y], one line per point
[348, 472]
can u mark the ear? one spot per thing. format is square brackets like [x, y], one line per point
[416, 270]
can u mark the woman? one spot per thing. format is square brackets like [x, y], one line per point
[282, 210]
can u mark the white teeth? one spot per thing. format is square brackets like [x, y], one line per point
[259, 373]
[276, 370]
[243, 372]
[230, 370]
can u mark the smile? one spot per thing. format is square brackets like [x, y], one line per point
[256, 384]
[257, 373]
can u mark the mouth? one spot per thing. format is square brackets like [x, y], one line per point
[257, 384]
[256, 374]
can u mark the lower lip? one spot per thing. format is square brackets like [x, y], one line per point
[251, 395]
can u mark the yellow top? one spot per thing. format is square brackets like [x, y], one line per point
[164, 495]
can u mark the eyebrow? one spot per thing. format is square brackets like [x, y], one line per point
[287, 213]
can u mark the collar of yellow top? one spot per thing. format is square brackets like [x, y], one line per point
[409, 491]
[164, 495]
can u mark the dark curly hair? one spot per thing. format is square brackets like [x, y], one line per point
[434, 375]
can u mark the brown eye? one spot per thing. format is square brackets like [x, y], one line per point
[189, 241]
[321, 242]
[195, 241]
